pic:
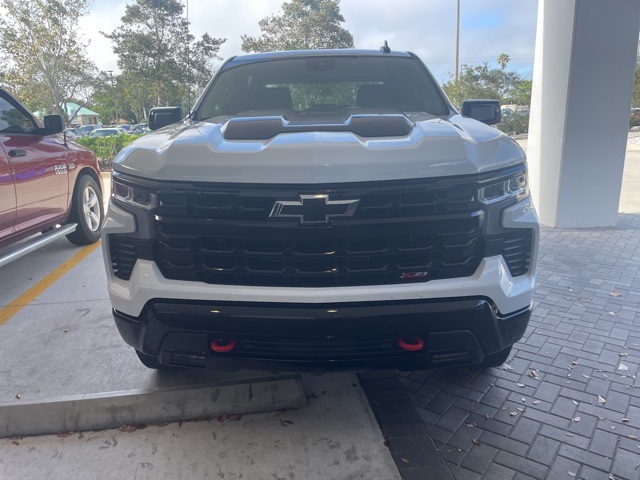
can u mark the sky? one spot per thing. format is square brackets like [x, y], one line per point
[426, 27]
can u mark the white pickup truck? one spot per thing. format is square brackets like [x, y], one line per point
[321, 210]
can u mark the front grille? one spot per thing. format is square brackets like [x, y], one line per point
[421, 230]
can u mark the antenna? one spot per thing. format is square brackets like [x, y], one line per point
[188, 64]
[385, 48]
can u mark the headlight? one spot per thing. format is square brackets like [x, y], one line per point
[516, 186]
[135, 196]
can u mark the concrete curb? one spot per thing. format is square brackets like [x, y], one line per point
[113, 409]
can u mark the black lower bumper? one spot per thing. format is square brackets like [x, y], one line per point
[292, 337]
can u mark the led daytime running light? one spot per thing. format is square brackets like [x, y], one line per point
[137, 197]
[513, 187]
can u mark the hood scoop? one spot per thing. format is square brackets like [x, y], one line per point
[363, 125]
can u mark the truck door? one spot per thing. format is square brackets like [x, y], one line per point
[38, 164]
[7, 197]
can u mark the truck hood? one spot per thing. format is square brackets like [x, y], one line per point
[434, 147]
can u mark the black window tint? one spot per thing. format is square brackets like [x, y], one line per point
[323, 84]
[13, 120]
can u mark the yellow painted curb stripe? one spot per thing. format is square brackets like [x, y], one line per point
[27, 297]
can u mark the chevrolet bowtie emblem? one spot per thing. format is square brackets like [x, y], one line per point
[314, 209]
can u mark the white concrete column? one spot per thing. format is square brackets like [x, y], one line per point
[581, 99]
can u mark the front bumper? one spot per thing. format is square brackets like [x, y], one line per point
[286, 336]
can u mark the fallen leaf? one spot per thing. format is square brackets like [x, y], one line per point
[536, 402]
[602, 400]
[612, 313]
[506, 366]
[600, 418]
[623, 354]
[520, 409]
[520, 384]
[568, 434]
[572, 474]
[404, 460]
[524, 399]
[623, 367]
[574, 363]
[486, 416]
[575, 403]
[64, 434]
[615, 294]
[533, 374]
[476, 441]
[126, 428]
[625, 420]
[471, 425]
[570, 289]
[66, 330]
[18, 396]
[632, 437]
[513, 414]
[586, 376]
[577, 419]
[15, 442]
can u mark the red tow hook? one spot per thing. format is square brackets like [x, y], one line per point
[219, 345]
[411, 344]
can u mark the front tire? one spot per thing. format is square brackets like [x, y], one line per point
[86, 211]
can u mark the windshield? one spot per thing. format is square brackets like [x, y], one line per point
[323, 84]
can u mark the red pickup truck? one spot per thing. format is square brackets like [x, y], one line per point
[48, 183]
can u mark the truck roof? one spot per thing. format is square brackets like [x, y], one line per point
[342, 52]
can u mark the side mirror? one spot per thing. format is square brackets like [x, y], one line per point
[485, 111]
[162, 116]
[53, 124]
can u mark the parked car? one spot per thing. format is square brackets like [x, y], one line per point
[46, 184]
[85, 130]
[71, 133]
[105, 132]
[325, 209]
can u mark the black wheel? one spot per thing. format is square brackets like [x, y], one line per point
[496, 359]
[87, 211]
[150, 362]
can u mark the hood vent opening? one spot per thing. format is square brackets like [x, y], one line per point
[363, 125]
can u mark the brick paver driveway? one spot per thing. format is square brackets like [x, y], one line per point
[566, 404]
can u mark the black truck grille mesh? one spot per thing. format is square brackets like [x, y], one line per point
[397, 235]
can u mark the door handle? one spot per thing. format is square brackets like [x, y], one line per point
[17, 153]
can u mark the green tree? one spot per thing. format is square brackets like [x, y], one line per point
[301, 25]
[482, 81]
[46, 62]
[161, 62]
[521, 93]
